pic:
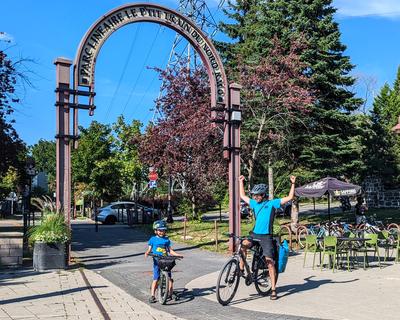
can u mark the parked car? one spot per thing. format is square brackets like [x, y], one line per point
[285, 210]
[118, 212]
[244, 210]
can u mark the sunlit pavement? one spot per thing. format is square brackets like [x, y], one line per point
[360, 294]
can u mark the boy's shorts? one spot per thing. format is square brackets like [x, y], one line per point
[156, 271]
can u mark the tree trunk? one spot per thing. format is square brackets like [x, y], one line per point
[254, 155]
[133, 191]
[270, 179]
[194, 214]
[294, 216]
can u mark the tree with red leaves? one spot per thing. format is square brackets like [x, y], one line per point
[184, 143]
[276, 96]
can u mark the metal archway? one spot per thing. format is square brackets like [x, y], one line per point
[225, 99]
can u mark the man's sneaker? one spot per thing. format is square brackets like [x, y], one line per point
[241, 273]
[152, 299]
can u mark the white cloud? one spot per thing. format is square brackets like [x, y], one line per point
[359, 8]
[6, 37]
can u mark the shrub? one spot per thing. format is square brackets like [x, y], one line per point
[51, 230]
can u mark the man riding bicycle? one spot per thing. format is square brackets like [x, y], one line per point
[264, 214]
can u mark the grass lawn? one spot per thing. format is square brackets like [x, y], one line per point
[202, 233]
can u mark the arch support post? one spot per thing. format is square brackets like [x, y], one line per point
[63, 138]
[234, 121]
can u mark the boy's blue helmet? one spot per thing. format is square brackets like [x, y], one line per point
[160, 225]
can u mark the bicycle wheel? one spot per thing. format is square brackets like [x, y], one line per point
[301, 236]
[162, 290]
[393, 227]
[228, 282]
[262, 281]
[393, 234]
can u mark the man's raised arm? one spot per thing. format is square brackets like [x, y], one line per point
[291, 192]
[241, 190]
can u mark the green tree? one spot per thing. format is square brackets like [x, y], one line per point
[94, 163]
[12, 148]
[9, 182]
[44, 153]
[127, 152]
[381, 154]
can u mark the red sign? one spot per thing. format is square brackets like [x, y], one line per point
[153, 176]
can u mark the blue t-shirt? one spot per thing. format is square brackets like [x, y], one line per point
[160, 245]
[264, 215]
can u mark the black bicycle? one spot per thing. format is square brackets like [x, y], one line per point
[229, 277]
[166, 264]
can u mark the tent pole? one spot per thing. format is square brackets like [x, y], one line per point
[329, 213]
[313, 199]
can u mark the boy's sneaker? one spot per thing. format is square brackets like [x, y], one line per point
[152, 299]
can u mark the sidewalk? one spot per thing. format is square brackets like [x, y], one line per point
[25, 294]
[303, 292]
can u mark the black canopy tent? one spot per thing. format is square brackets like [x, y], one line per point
[330, 186]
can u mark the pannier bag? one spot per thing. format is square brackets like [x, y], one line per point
[283, 256]
[166, 264]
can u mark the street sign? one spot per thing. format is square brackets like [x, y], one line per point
[12, 197]
[152, 184]
[153, 176]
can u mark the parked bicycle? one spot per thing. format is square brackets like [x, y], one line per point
[229, 277]
[319, 230]
[166, 264]
[334, 228]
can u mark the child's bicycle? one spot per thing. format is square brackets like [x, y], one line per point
[166, 264]
[229, 277]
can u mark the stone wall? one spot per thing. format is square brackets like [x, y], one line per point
[377, 197]
[11, 248]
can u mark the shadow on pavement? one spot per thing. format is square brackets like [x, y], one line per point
[186, 295]
[252, 297]
[47, 295]
[183, 297]
[84, 259]
[15, 273]
[308, 285]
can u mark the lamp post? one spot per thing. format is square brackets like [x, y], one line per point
[31, 172]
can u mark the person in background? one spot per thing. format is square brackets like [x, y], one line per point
[361, 209]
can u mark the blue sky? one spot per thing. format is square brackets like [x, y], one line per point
[43, 30]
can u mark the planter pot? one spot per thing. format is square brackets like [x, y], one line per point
[49, 256]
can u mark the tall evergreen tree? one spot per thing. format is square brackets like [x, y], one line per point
[383, 146]
[323, 147]
[379, 156]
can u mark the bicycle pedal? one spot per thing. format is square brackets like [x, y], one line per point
[248, 280]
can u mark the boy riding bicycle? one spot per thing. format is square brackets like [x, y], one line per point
[264, 215]
[160, 245]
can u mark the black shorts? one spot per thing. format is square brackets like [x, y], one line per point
[266, 243]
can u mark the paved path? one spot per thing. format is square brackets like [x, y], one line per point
[29, 295]
[116, 253]
[361, 294]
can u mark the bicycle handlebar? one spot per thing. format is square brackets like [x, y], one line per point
[157, 256]
[231, 235]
